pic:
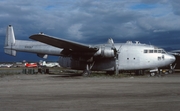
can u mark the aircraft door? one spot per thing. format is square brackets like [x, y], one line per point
[129, 57]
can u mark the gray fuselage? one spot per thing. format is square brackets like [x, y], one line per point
[131, 56]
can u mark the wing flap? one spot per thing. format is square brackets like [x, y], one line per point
[62, 43]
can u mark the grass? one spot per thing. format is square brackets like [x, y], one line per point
[61, 71]
[120, 75]
[8, 74]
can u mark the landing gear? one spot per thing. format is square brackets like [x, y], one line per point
[156, 72]
[152, 74]
[87, 71]
[171, 71]
[116, 67]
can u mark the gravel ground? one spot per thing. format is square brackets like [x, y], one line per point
[76, 93]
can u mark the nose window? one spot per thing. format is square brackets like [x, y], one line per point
[163, 52]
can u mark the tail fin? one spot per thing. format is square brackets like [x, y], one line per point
[10, 41]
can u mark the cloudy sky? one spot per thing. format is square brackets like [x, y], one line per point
[154, 22]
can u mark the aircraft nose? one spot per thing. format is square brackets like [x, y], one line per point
[172, 58]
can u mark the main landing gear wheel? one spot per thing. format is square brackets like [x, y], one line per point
[86, 73]
[152, 74]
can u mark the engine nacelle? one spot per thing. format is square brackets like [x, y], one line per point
[107, 52]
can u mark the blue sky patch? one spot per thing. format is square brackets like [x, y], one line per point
[142, 6]
[50, 8]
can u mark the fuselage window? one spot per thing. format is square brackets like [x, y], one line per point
[150, 51]
[145, 51]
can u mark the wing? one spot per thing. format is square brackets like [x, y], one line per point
[62, 43]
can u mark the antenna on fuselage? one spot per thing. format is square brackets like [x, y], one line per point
[110, 41]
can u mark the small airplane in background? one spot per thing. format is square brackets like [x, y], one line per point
[6, 65]
[31, 65]
[110, 57]
[49, 64]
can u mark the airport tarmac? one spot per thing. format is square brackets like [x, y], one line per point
[42, 92]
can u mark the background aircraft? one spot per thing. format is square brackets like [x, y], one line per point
[49, 64]
[31, 65]
[110, 57]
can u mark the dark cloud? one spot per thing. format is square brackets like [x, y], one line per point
[91, 21]
[175, 6]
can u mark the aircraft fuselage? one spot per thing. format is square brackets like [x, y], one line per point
[131, 56]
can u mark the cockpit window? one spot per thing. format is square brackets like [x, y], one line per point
[155, 51]
[145, 51]
[159, 51]
[150, 51]
[163, 52]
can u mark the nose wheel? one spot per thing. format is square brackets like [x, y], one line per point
[152, 74]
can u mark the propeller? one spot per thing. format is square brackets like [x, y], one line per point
[116, 52]
[110, 41]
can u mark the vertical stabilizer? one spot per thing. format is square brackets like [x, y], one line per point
[10, 41]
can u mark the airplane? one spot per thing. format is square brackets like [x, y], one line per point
[109, 57]
[49, 64]
[31, 65]
[6, 65]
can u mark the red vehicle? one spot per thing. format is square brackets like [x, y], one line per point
[31, 65]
